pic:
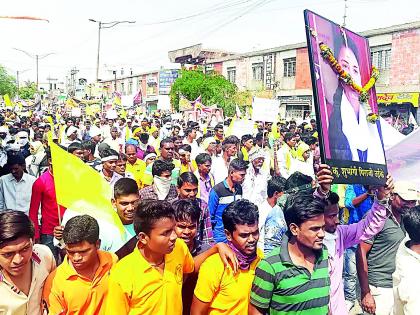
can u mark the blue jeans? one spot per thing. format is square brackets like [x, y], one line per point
[47, 240]
[350, 274]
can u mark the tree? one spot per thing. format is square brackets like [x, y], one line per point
[27, 92]
[213, 88]
[7, 83]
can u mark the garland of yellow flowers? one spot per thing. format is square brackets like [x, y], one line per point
[328, 55]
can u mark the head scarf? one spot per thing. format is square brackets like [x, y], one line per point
[71, 130]
[153, 129]
[244, 260]
[150, 155]
[207, 141]
[37, 147]
[256, 153]
[137, 130]
[302, 148]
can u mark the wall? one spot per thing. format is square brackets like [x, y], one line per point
[405, 62]
[303, 73]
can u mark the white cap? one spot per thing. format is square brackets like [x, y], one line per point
[94, 131]
[71, 130]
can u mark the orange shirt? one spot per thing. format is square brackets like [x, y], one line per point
[67, 292]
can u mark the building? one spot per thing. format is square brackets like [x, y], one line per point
[154, 85]
[284, 71]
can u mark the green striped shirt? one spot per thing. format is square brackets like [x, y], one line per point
[284, 288]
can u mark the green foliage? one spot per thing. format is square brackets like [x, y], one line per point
[28, 91]
[213, 88]
[7, 83]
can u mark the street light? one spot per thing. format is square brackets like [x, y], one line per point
[102, 25]
[37, 58]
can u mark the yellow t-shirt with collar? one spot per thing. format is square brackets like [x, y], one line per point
[227, 292]
[137, 169]
[136, 287]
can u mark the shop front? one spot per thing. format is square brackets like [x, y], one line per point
[398, 106]
[295, 107]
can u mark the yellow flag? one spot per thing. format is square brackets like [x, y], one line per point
[7, 100]
[229, 130]
[80, 188]
[123, 113]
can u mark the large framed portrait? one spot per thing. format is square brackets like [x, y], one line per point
[350, 143]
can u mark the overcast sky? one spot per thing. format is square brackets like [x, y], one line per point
[163, 25]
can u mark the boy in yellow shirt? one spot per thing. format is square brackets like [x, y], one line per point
[149, 280]
[218, 289]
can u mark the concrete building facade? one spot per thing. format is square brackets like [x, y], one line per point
[284, 70]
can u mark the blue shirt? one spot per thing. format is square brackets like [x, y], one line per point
[274, 229]
[356, 213]
[220, 197]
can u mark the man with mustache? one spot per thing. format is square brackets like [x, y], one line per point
[284, 279]
[219, 290]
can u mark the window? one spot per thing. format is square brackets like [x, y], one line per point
[381, 57]
[130, 86]
[231, 74]
[289, 66]
[258, 71]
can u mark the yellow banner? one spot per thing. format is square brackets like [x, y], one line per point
[7, 100]
[399, 98]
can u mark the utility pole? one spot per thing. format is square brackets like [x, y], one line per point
[345, 13]
[17, 78]
[103, 25]
[73, 73]
[17, 81]
[37, 73]
[115, 80]
[37, 58]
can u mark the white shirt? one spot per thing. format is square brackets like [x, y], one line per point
[406, 279]
[110, 236]
[195, 149]
[18, 303]
[361, 134]
[114, 144]
[254, 187]
[16, 195]
[306, 168]
[219, 169]
[263, 210]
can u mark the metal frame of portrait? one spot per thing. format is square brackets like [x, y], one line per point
[351, 145]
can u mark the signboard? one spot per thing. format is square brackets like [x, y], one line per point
[264, 109]
[388, 98]
[349, 143]
[242, 127]
[166, 79]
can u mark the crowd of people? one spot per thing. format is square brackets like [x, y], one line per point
[213, 223]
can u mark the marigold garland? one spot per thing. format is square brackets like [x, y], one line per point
[328, 55]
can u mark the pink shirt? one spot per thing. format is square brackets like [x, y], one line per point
[347, 236]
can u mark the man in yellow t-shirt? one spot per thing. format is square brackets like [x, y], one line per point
[135, 166]
[218, 289]
[79, 285]
[149, 280]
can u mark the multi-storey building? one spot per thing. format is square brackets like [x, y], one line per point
[283, 72]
